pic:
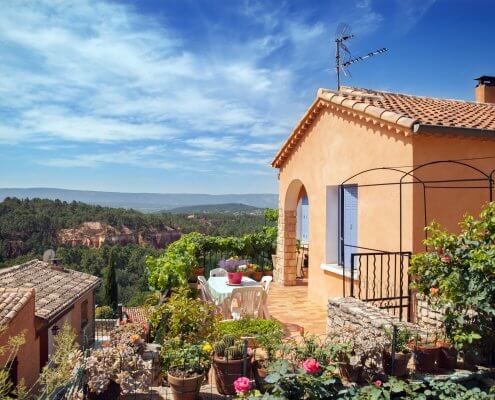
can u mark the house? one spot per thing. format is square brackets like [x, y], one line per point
[39, 297]
[369, 169]
[17, 318]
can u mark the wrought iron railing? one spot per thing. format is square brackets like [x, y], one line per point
[382, 279]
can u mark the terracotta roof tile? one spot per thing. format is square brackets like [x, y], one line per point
[55, 288]
[136, 314]
[408, 114]
[11, 302]
[429, 110]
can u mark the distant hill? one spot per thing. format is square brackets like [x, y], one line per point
[235, 208]
[147, 202]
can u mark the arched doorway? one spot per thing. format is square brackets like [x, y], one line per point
[293, 234]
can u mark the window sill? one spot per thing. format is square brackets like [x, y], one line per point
[339, 270]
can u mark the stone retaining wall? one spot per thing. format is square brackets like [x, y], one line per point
[427, 316]
[354, 313]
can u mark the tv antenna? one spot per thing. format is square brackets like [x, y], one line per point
[343, 34]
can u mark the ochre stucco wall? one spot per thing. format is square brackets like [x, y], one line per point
[28, 355]
[76, 317]
[333, 149]
[447, 206]
[336, 147]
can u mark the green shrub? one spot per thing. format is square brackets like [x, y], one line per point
[104, 312]
[184, 317]
[457, 274]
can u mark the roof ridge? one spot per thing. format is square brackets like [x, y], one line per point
[371, 91]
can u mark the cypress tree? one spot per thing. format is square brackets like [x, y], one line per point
[111, 296]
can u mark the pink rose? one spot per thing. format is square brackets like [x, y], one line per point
[446, 259]
[377, 383]
[311, 366]
[242, 384]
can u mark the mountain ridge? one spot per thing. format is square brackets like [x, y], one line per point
[148, 202]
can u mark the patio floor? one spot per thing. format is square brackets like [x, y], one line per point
[290, 305]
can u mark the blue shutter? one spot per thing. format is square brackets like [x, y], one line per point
[304, 219]
[350, 222]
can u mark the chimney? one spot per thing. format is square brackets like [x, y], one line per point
[485, 89]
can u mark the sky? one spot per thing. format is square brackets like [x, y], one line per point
[193, 96]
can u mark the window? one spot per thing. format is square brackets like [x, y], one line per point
[349, 223]
[332, 225]
[84, 314]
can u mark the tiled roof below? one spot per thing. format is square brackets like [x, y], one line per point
[56, 288]
[136, 314]
[11, 302]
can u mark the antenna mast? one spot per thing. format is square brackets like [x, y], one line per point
[344, 33]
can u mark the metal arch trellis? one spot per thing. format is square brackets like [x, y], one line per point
[481, 176]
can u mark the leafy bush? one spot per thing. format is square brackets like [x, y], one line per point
[185, 359]
[251, 327]
[104, 312]
[457, 274]
[184, 317]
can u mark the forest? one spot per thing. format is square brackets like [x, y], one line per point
[29, 227]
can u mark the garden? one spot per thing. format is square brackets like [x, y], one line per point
[187, 350]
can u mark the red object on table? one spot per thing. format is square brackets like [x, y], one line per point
[235, 278]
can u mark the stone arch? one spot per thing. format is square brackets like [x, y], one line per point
[285, 269]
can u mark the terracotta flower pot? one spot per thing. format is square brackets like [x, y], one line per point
[260, 373]
[352, 373]
[268, 273]
[257, 275]
[226, 372]
[235, 278]
[425, 358]
[401, 360]
[184, 388]
[447, 357]
[305, 272]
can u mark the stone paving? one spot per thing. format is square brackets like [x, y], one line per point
[291, 306]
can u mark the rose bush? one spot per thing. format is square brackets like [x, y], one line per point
[457, 274]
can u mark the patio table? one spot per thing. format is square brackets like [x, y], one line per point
[220, 290]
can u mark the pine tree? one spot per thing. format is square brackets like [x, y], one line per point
[111, 296]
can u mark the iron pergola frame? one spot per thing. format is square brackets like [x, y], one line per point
[480, 180]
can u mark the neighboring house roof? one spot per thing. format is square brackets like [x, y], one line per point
[56, 288]
[136, 314]
[400, 112]
[11, 302]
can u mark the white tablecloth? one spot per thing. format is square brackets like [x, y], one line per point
[220, 290]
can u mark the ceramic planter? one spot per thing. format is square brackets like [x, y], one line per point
[235, 278]
[260, 373]
[447, 356]
[352, 373]
[183, 388]
[401, 360]
[226, 372]
[268, 273]
[425, 358]
[257, 275]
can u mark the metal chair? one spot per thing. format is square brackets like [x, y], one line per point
[218, 272]
[265, 282]
[247, 302]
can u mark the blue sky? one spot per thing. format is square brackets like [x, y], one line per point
[197, 96]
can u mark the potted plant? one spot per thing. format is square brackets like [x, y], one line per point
[229, 364]
[235, 268]
[447, 354]
[402, 354]
[256, 273]
[185, 365]
[268, 270]
[425, 352]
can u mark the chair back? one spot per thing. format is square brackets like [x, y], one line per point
[204, 289]
[265, 282]
[218, 272]
[247, 302]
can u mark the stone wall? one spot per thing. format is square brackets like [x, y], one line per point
[427, 316]
[285, 270]
[354, 313]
